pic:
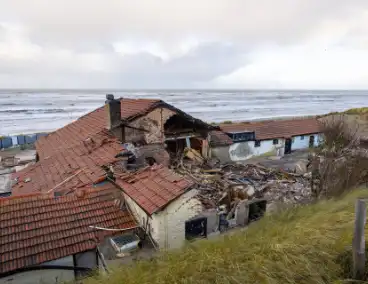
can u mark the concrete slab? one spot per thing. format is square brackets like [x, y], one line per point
[5, 183]
[26, 155]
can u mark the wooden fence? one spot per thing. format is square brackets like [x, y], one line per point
[359, 239]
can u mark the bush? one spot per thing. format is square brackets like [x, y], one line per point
[339, 163]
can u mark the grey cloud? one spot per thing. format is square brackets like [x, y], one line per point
[202, 64]
[68, 21]
[141, 70]
[77, 38]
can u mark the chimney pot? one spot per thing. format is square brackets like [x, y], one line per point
[113, 112]
[109, 97]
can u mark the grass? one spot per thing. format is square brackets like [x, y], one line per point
[308, 244]
[353, 111]
[357, 111]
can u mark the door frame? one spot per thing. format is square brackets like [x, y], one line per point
[288, 145]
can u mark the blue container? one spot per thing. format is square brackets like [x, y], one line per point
[21, 139]
[6, 142]
[30, 139]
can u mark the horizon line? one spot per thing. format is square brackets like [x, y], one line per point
[175, 89]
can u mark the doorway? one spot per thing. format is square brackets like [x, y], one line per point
[311, 141]
[288, 142]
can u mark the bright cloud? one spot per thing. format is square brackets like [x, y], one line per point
[183, 44]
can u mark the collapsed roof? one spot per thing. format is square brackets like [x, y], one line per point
[95, 121]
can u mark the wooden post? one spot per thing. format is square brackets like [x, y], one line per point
[358, 240]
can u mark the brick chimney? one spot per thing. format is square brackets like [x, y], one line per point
[113, 112]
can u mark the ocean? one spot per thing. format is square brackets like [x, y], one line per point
[34, 111]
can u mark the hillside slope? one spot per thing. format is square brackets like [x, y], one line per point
[304, 245]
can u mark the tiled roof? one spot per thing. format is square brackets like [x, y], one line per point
[276, 128]
[71, 168]
[218, 138]
[89, 124]
[39, 228]
[154, 187]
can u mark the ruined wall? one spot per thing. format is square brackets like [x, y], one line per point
[221, 153]
[170, 222]
[153, 122]
[212, 220]
[155, 151]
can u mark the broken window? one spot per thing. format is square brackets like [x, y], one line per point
[150, 161]
[242, 136]
[257, 143]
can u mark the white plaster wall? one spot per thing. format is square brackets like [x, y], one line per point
[170, 222]
[266, 147]
[141, 217]
[245, 150]
[300, 143]
[318, 139]
[240, 151]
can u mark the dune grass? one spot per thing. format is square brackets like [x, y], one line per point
[309, 244]
[357, 111]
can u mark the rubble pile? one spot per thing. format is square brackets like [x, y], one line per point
[227, 184]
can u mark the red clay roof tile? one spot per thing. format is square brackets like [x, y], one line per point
[39, 228]
[88, 125]
[71, 168]
[272, 129]
[154, 187]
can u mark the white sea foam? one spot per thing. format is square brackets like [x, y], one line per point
[39, 111]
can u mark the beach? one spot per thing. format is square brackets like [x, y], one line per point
[35, 111]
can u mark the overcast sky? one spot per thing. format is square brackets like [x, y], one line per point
[184, 44]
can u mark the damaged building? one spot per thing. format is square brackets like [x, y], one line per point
[113, 170]
[152, 130]
[265, 138]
